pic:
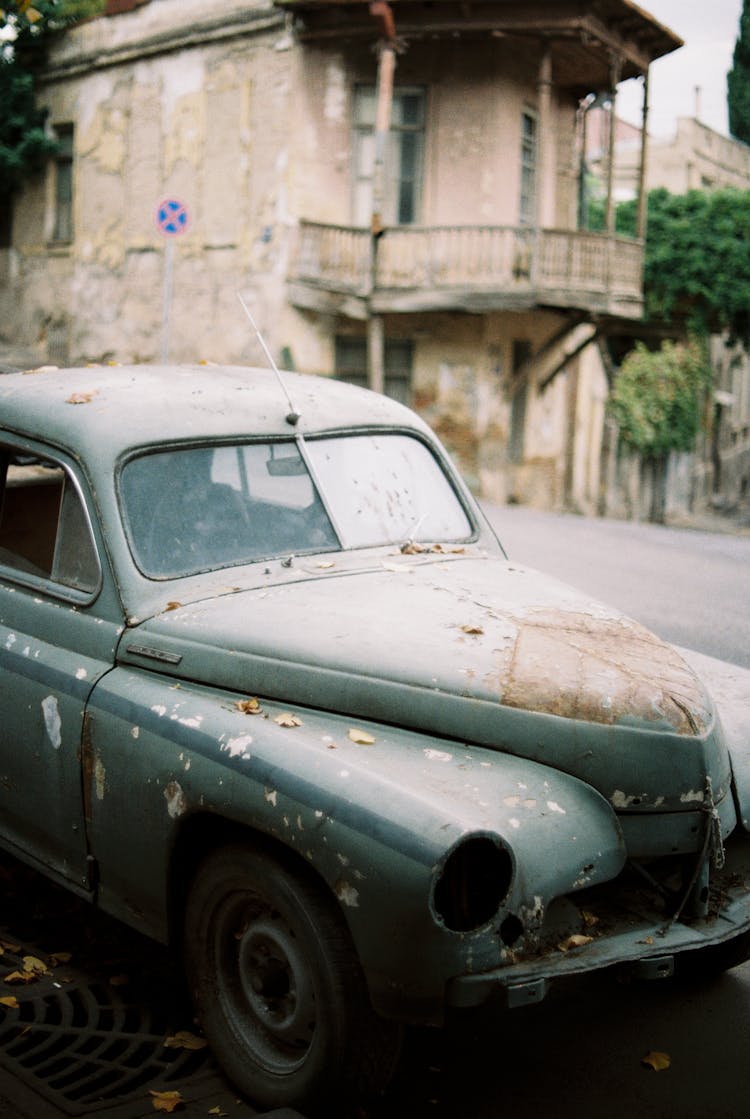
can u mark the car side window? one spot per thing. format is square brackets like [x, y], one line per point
[44, 530]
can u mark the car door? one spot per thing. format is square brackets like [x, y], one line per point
[58, 630]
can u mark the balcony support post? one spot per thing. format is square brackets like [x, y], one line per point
[375, 354]
[545, 208]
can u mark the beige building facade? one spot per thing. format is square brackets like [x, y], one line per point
[437, 257]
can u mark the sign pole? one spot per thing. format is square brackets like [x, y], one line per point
[167, 304]
[171, 220]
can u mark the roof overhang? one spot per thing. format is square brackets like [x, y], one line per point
[586, 36]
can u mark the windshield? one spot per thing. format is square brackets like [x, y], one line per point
[200, 508]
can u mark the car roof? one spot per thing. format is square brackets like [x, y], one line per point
[103, 411]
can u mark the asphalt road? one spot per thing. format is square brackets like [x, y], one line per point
[690, 587]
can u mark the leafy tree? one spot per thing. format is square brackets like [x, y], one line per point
[27, 27]
[657, 401]
[738, 81]
[697, 259]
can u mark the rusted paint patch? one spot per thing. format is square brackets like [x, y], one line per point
[601, 670]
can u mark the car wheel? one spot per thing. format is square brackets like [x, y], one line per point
[278, 987]
[710, 962]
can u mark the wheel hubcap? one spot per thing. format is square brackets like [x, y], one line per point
[275, 982]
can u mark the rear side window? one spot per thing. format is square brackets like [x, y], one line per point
[44, 528]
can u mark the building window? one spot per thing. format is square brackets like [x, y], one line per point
[519, 389]
[6, 221]
[403, 156]
[527, 200]
[63, 227]
[351, 365]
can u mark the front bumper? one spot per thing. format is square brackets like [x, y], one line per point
[627, 926]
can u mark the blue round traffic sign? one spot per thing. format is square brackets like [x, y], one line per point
[171, 217]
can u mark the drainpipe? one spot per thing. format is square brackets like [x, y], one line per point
[381, 10]
[642, 193]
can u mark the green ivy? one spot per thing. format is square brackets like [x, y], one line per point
[24, 143]
[658, 397]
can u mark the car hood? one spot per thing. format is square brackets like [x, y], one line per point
[476, 649]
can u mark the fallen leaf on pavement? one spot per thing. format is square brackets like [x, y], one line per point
[165, 1101]
[183, 1039]
[656, 1061]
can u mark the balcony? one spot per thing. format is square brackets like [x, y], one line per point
[463, 268]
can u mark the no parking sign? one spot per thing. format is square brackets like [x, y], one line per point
[172, 217]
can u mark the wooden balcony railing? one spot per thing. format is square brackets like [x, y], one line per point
[419, 267]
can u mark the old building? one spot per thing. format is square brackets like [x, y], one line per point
[393, 190]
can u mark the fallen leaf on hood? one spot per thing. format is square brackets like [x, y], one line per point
[81, 397]
[9, 1000]
[216, 1111]
[172, 606]
[589, 919]
[361, 737]
[412, 549]
[326, 566]
[472, 629]
[9, 946]
[578, 940]
[57, 958]
[656, 1061]
[165, 1101]
[287, 719]
[249, 706]
[183, 1039]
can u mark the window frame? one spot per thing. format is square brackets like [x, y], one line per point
[40, 583]
[363, 130]
[528, 184]
[63, 223]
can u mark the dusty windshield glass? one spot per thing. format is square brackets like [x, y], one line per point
[200, 508]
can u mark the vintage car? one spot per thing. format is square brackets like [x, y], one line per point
[271, 691]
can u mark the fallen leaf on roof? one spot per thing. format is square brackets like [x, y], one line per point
[361, 737]
[250, 706]
[287, 719]
[656, 1061]
[81, 397]
[472, 629]
[172, 606]
[10, 1001]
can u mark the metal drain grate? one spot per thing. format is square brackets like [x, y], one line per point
[86, 1044]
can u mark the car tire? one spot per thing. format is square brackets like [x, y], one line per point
[278, 987]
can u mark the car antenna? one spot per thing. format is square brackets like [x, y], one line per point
[293, 416]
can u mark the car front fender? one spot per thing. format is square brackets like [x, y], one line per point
[375, 811]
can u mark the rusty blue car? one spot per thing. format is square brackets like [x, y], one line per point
[271, 692]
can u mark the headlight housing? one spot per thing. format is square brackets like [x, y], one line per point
[472, 883]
